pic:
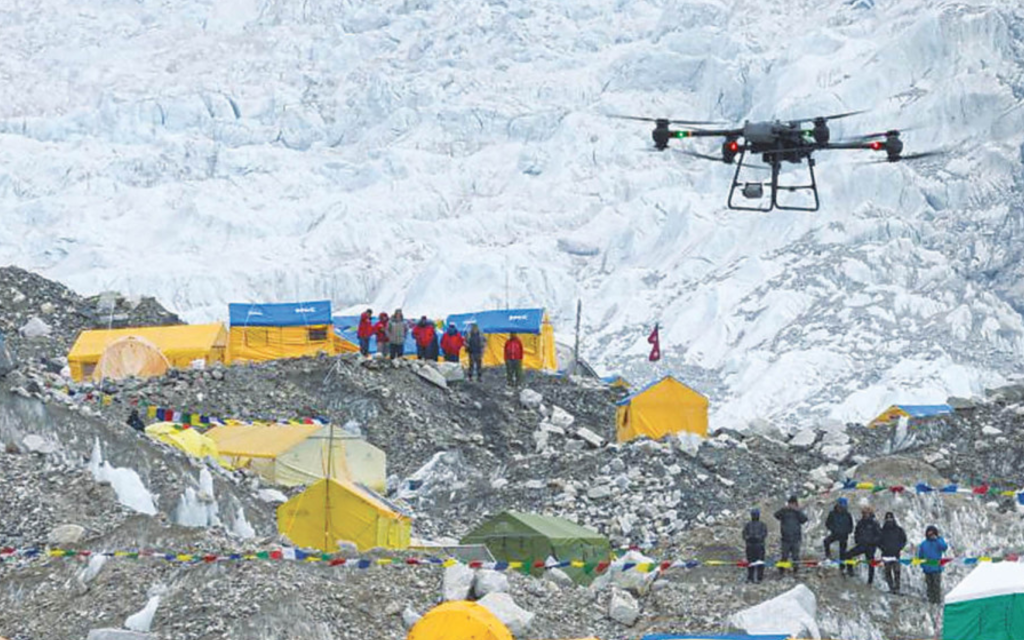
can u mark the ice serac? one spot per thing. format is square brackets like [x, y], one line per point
[444, 157]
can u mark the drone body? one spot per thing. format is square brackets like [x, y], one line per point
[776, 142]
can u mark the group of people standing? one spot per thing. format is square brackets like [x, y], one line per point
[391, 333]
[868, 538]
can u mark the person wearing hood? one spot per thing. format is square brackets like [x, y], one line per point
[755, 533]
[423, 332]
[513, 360]
[396, 335]
[475, 347]
[931, 549]
[381, 331]
[866, 537]
[839, 524]
[135, 421]
[894, 538]
[364, 331]
[791, 521]
[451, 343]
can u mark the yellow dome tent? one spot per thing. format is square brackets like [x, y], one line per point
[333, 510]
[130, 356]
[188, 440]
[663, 407]
[460, 619]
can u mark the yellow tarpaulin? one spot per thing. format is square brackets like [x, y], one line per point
[188, 440]
[664, 407]
[460, 619]
[257, 344]
[333, 510]
[538, 349]
[180, 344]
[259, 440]
[130, 356]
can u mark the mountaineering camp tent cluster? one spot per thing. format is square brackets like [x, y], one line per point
[191, 441]
[663, 407]
[145, 351]
[261, 332]
[531, 325]
[338, 510]
[298, 454]
[911, 412]
[515, 536]
[987, 605]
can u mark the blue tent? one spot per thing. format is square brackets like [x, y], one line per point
[672, 636]
[293, 314]
[925, 410]
[500, 321]
[347, 327]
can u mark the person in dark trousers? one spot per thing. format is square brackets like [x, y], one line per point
[755, 533]
[451, 344]
[791, 521]
[866, 537]
[364, 331]
[839, 524]
[396, 335]
[135, 422]
[932, 549]
[475, 348]
[381, 331]
[434, 348]
[893, 539]
[514, 360]
[423, 332]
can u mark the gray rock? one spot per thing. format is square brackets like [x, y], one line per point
[561, 418]
[804, 439]
[488, 581]
[35, 328]
[589, 437]
[599, 493]
[119, 634]
[431, 375]
[505, 609]
[559, 577]
[38, 444]
[458, 582]
[623, 608]
[65, 534]
[530, 398]
[410, 617]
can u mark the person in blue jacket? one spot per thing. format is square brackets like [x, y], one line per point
[932, 548]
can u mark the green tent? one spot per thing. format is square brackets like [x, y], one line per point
[987, 605]
[527, 537]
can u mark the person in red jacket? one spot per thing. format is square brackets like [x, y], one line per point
[364, 331]
[451, 344]
[423, 332]
[514, 360]
[381, 331]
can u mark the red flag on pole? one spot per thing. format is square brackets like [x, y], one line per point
[655, 345]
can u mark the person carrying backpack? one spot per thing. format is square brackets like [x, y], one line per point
[839, 524]
[451, 344]
[364, 331]
[513, 360]
[423, 332]
[381, 331]
[475, 347]
[791, 521]
[894, 538]
[396, 335]
[931, 549]
[755, 533]
[866, 536]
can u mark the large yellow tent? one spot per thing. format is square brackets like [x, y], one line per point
[663, 407]
[274, 331]
[292, 455]
[531, 326]
[459, 619]
[335, 510]
[180, 344]
[188, 440]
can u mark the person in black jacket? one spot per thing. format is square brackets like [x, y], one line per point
[791, 521]
[135, 422]
[866, 536]
[840, 525]
[754, 534]
[892, 541]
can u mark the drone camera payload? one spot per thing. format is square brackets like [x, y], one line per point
[776, 142]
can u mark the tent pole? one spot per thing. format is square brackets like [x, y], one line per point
[576, 349]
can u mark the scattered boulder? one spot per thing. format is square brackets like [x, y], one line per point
[623, 608]
[804, 439]
[489, 581]
[410, 617]
[791, 613]
[458, 582]
[561, 418]
[530, 398]
[590, 437]
[65, 534]
[505, 609]
[35, 328]
[432, 375]
[37, 444]
[119, 634]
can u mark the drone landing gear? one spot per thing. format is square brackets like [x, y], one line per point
[756, 190]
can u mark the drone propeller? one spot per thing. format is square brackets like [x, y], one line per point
[834, 116]
[662, 121]
[702, 156]
[908, 157]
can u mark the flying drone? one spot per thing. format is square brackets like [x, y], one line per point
[776, 142]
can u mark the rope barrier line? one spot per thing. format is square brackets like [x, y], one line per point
[294, 554]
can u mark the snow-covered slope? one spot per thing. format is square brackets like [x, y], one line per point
[447, 154]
